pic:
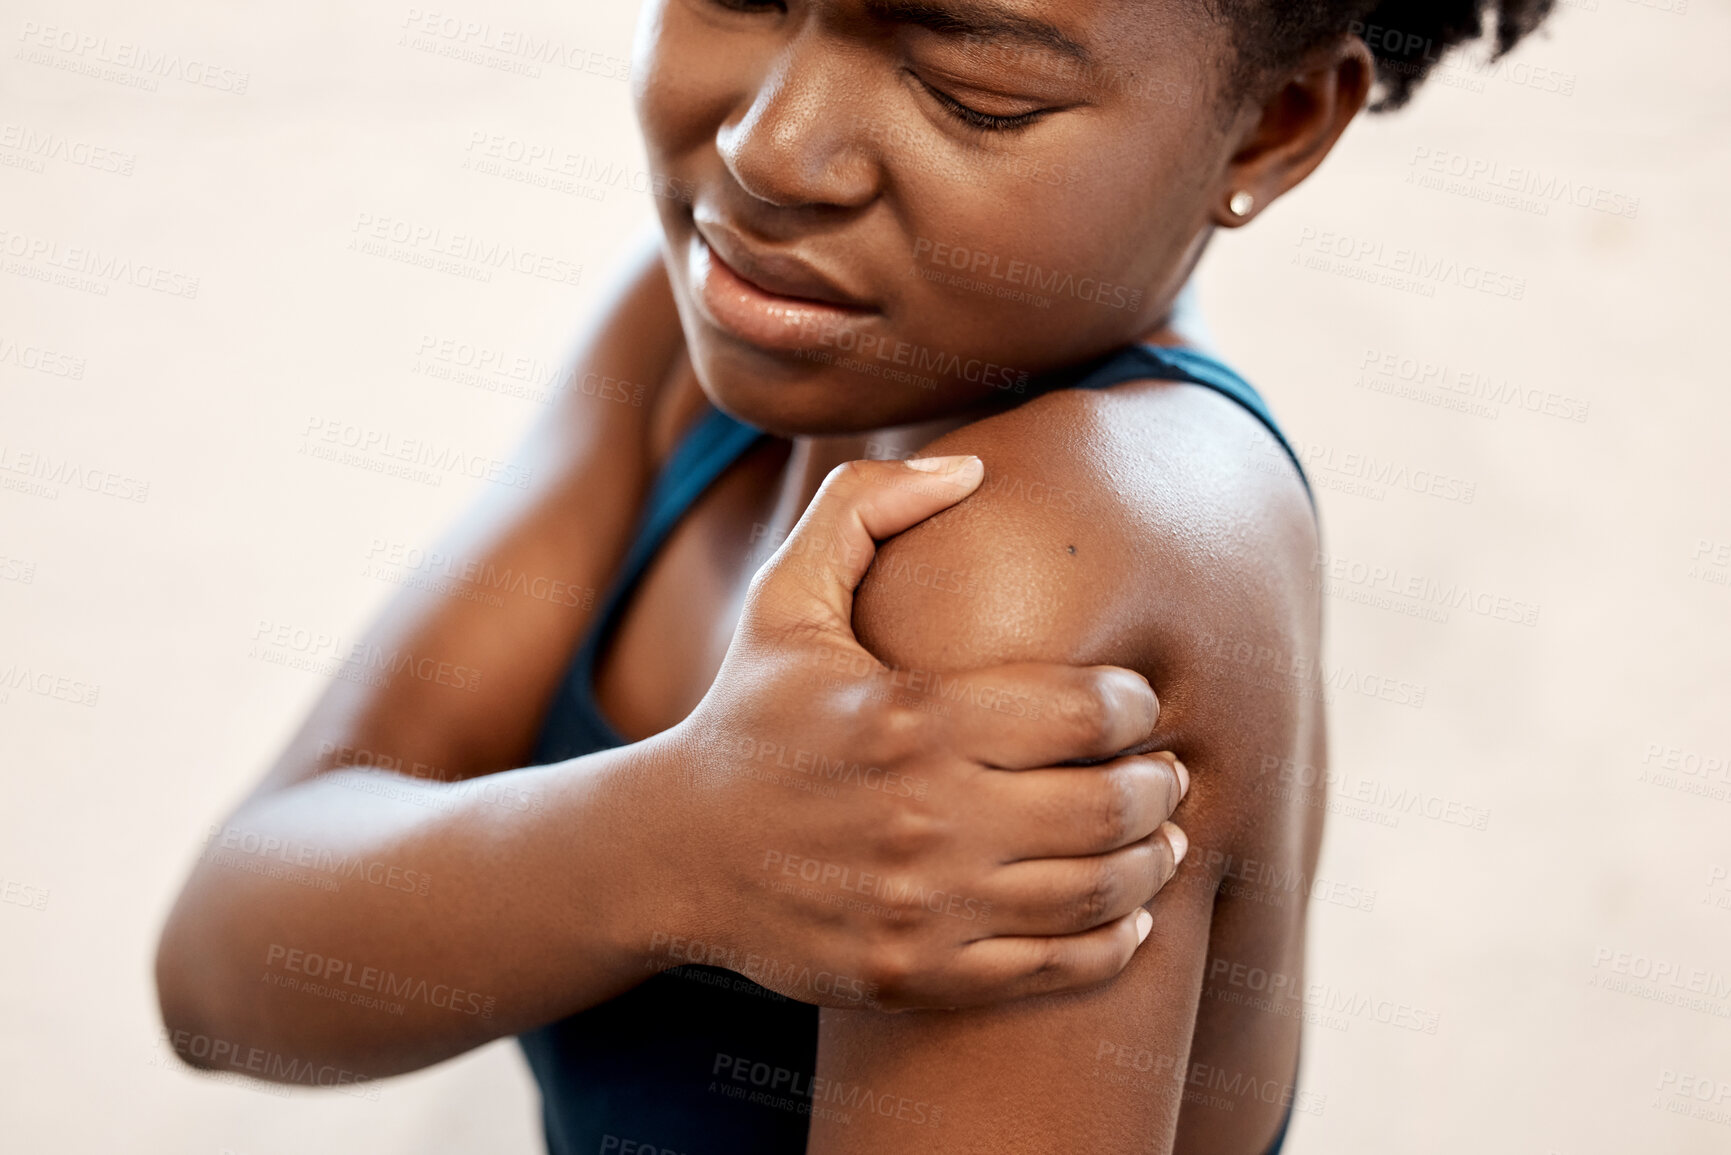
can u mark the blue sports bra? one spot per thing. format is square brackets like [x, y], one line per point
[655, 1066]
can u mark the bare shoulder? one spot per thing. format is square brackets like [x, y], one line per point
[1152, 525]
[1158, 527]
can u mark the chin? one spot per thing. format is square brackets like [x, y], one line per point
[814, 394]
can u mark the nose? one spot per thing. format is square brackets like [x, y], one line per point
[804, 140]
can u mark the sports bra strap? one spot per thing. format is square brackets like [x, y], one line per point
[1169, 363]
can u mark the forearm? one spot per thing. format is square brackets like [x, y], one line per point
[382, 923]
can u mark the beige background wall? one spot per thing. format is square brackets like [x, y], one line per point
[1539, 829]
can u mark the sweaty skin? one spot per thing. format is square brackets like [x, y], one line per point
[838, 155]
[826, 136]
[1175, 544]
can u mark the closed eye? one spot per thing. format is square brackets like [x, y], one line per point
[974, 118]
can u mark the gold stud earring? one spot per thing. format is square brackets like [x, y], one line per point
[1241, 203]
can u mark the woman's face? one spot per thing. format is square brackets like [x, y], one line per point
[899, 209]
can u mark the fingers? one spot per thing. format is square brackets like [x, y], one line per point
[1067, 896]
[995, 970]
[1075, 811]
[859, 504]
[1040, 714]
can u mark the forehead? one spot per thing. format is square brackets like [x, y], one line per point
[1083, 32]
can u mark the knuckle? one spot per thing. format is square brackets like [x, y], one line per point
[893, 972]
[849, 478]
[892, 734]
[1100, 894]
[1114, 809]
[1047, 966]
[1088, 706]
[907, 833]
[1156, 874]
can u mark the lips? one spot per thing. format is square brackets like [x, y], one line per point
[773, 301]
[776, 274]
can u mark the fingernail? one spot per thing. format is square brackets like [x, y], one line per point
[1183, 777]
[1180, 843]
[940, 464]
[1144, 924]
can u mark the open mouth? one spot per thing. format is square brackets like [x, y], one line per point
[771, 302]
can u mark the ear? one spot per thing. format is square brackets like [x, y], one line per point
[1285, 138]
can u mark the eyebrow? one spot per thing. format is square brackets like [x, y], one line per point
[978, 18]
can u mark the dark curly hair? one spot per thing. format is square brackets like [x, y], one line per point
[1407, 37]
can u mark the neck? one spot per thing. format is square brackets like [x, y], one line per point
[813, 457]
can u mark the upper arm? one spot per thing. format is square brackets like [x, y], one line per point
[454, 674]
[1120, 528]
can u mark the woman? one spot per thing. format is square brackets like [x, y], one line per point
[927, 775]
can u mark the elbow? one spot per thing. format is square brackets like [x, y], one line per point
[195, 994]
[187, 1018]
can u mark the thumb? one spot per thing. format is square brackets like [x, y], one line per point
[812, 577]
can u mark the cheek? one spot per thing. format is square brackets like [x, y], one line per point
[686, 80]
[1051, 252]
